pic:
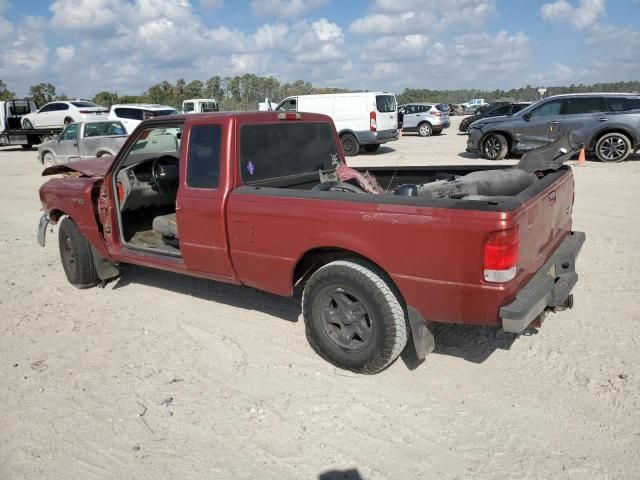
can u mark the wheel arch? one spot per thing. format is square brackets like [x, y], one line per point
[104, 151]
[605, 131]
[345, 131]
[314, 259]
[504, 133]
[43, 152]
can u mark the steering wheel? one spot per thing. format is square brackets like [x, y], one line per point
[158, 172]
[337, 187]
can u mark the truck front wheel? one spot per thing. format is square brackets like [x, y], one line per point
[353, 316]
[76, 255]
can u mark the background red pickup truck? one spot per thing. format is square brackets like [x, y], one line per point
[255, 199]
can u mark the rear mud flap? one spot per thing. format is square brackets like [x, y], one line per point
[105, 269]
[423, 340]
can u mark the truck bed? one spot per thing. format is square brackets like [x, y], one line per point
[431, 247]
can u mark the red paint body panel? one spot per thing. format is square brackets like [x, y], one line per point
[257, 237]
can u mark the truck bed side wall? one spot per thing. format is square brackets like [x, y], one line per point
[433, 255]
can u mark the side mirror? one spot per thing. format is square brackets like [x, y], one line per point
[526, 117]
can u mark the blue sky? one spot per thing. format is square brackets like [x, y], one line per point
[85, 46]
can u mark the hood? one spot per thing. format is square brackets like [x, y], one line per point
[92, 167]
[488, 120]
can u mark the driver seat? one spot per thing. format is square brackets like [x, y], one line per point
[166, 226]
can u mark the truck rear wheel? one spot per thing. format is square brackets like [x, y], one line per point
[76, 255]
[494, 147]
[350, 144]
[353, 316]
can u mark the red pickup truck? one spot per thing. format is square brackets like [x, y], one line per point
[266, 200]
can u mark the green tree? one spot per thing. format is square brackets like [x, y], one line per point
[5, 94]
[105, 99]
[42, 93]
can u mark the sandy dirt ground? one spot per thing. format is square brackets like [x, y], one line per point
[160, 376]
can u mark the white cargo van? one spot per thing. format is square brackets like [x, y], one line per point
[363, 119]
[200, 105]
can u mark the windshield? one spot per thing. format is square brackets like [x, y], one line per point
[386, 103]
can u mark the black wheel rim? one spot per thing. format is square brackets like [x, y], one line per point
[492, 147]
[612, 149]
[347, 144]
[68, 257]
[346, 320]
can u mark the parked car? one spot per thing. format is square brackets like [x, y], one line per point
[11, 129]
[57, 114]
[267, 201]
[79, 141]
[488, 107]
[473, 104]
[363, 119]
[132, 114]
[200, 105]
[508, 109]
[425, 118]
[607, 123]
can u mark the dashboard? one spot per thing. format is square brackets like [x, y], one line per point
[138, 188]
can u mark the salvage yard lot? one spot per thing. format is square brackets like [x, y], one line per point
[163, 376]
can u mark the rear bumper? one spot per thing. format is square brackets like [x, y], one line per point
[367, 137]
[550, 287]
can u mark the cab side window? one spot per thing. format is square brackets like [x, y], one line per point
[548, 109]
[586, 105]
[70, 133]
[288, 106]
[203, 161]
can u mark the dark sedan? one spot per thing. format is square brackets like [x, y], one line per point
[508, 109]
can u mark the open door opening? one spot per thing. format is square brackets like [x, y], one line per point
[146, 182]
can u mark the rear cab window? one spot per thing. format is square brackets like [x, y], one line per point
[386, 103]
[278, 150]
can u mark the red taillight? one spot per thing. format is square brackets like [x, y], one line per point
[501, 251]
[436, 114]
[289, 116]
[373, 124]
[120, 191]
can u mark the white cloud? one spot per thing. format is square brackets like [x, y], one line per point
[211, 4]
[4, 4]
[392, 17]
[585, 14]
[285, 8]
[65, 54]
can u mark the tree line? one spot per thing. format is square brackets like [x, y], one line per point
[244, 92]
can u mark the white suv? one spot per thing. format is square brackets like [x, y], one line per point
[57, 114]
[132, 114]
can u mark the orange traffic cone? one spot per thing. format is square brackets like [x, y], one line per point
[581, 158]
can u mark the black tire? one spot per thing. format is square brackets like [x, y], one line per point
[26, 147]
[425, 129]
[103, 154]
[613, 147]
[371, 148]
[494, 147]
[350, 144]
[26, 124]
[353, 316]
[76, 256]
